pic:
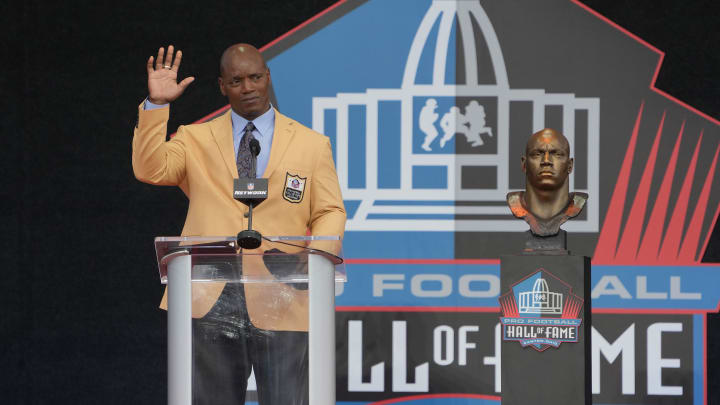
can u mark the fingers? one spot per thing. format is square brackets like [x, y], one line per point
[178, 58]
[165, 60]
[186, 82]
[167, 63]
[150, 65]
[160, 58]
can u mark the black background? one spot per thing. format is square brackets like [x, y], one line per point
[79, 288]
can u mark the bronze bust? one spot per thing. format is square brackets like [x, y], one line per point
[546, 202]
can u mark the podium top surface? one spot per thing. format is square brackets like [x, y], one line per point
[278, 259]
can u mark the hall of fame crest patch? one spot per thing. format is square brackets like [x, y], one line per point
[541, 311]
[294, 187]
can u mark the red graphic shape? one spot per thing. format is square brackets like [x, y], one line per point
[508, 305]
[692, 236]
[571, 307]
[671, 244]
[633, 228]
[654, 229]
[607, 241]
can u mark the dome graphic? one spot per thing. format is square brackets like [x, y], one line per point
[437, 148]
[540, 300]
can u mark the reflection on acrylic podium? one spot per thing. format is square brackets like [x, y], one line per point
[287, 287]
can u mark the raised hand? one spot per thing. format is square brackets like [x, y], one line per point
[162, 77]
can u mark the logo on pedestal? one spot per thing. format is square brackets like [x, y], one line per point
[541, 311]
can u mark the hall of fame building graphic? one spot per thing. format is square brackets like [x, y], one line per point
[454, 132]
[540, 311]
[427, 106]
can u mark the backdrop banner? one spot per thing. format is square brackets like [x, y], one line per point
[428, 105]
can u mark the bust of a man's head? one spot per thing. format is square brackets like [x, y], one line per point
[547, 165]
[547, 201]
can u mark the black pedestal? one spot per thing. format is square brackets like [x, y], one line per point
[545, 300]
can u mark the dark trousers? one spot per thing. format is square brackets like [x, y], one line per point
[225, 347]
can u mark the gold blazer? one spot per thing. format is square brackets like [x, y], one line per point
[200, 160]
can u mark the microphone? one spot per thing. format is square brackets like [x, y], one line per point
[251, 192]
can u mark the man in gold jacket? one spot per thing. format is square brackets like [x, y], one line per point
[235, 327]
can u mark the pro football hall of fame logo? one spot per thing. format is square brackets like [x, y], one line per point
[540, 311]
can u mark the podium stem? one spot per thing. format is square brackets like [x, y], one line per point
[180, 330]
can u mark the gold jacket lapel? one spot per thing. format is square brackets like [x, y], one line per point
[221, 129]
[282, 136]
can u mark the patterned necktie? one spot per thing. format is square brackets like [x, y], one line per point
[244, 156]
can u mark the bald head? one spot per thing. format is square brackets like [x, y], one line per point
[547, 136]
[547, 162]
[245, 80]
[243, 51]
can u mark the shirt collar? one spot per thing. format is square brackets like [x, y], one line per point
[264, 124]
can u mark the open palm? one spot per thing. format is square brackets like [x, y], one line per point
[162, 77]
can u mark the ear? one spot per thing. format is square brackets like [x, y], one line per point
[522, 163]
[570, 165]
[222, 89]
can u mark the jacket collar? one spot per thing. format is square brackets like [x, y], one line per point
[285, 129]
[221, 129]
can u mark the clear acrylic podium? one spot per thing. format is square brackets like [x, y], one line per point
[273, 277]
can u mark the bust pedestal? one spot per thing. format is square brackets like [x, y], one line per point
[545, 324]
